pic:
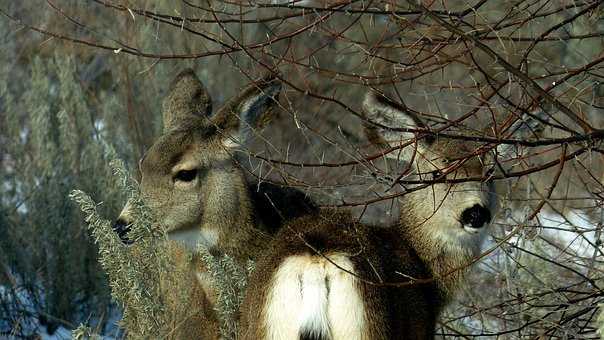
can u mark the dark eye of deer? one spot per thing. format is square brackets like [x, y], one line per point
[186, 175]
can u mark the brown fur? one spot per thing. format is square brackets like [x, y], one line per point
[375, 257]
[199, 320]
[216, 206]
[430, 244]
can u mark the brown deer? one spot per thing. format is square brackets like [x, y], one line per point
[194, 186]
[329, 277]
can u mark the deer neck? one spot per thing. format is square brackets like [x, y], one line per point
[447, 257]
[228, 221]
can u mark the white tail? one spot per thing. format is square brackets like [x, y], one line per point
[313, 298]
[314, 288]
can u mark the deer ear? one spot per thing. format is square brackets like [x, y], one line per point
[383, 111]
[527, 126]
[188, 99]
[250, 110]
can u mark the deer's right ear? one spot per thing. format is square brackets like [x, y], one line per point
[188, 99]
[250, 110]
[383, 114]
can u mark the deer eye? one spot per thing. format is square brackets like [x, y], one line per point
[186, 175]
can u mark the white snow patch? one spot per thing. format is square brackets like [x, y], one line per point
[25, 301]
[575, 233]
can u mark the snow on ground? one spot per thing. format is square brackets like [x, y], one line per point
[574, 242]
[572, 236]
[576, 233]
[21, 299]
[573, 232]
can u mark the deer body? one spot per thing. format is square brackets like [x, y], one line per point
[195, 188]
[328, 277]
[346, 307]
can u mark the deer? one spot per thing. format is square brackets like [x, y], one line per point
[328, 277]
[193, 183]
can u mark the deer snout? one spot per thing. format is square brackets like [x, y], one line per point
[121, 227]
[476, 216]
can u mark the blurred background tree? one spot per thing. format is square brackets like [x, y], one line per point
[77, 76]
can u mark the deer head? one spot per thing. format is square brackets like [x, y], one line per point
[455, 209]
[189, 178]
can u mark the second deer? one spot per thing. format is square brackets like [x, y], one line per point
[327, 277]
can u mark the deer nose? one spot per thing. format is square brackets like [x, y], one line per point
[121, 227]
[476, 216]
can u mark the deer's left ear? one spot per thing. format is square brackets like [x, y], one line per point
[384, 111]
[250, 110]
[187, 100]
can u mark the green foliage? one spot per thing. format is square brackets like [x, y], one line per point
[231, 281]
[134, 280]
[52, 148]
[134, 272]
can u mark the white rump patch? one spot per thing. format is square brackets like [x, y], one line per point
[313, 312]
[346, 310]
[310, 294]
